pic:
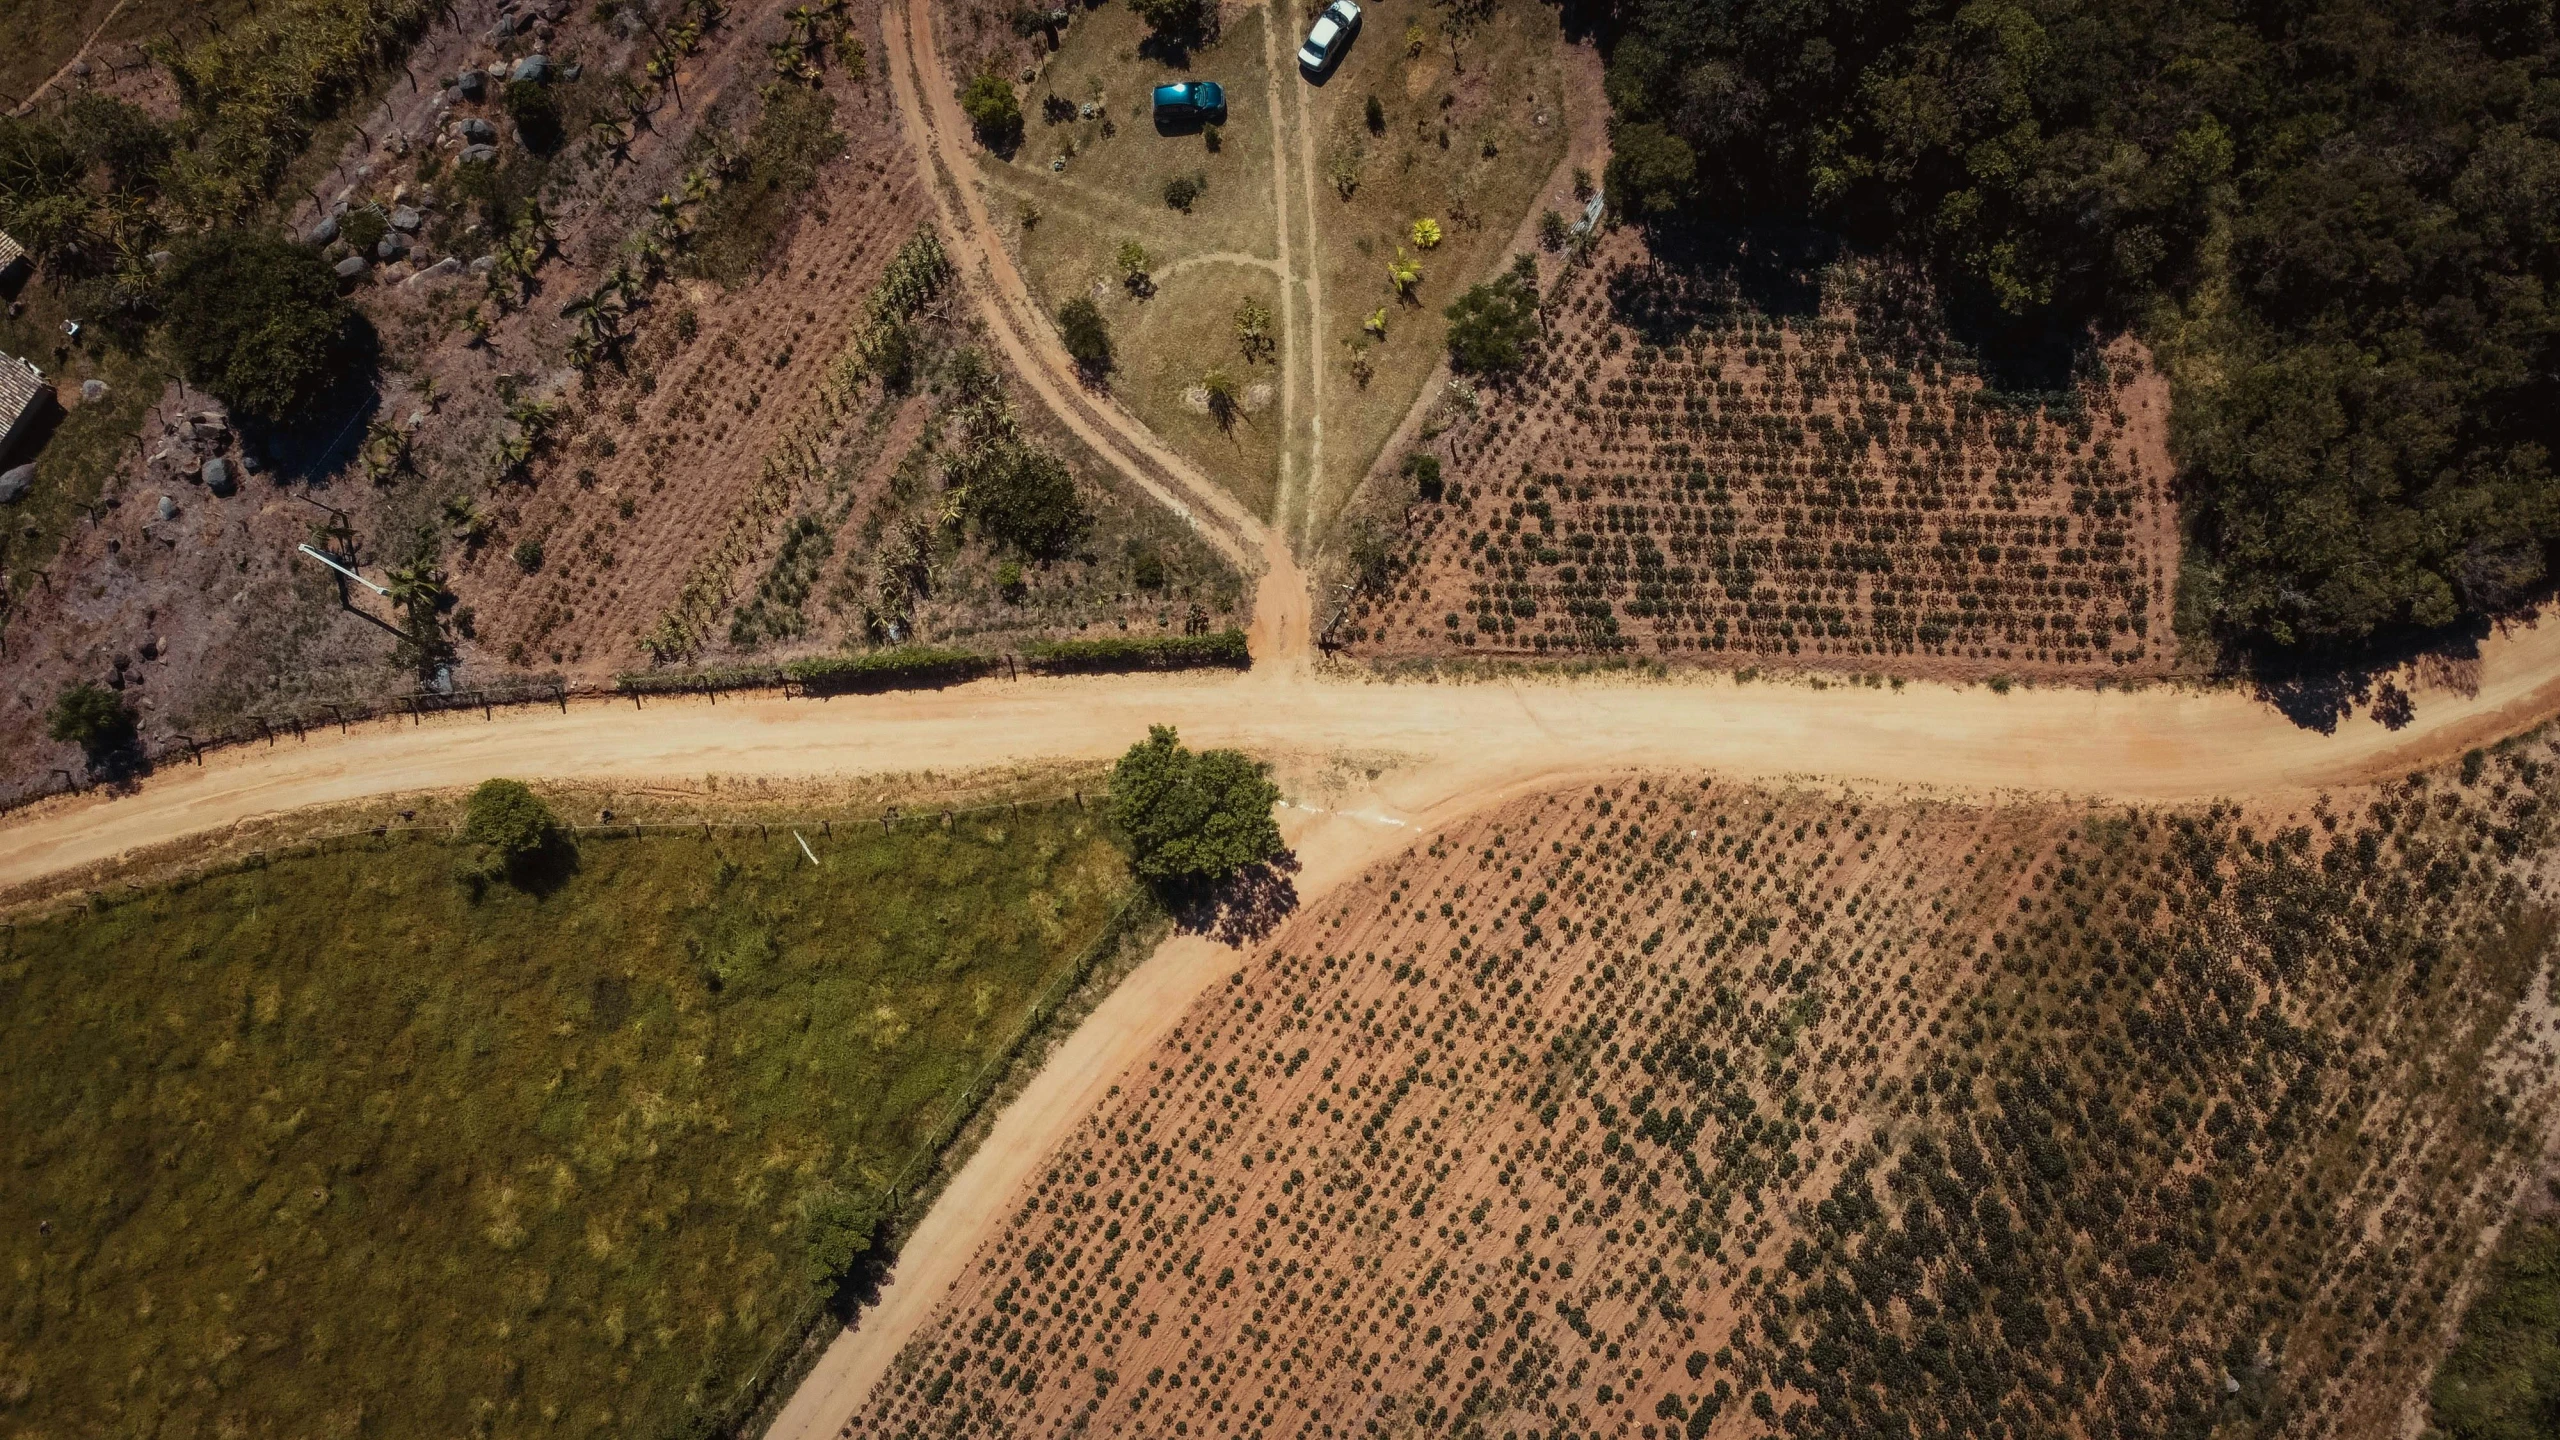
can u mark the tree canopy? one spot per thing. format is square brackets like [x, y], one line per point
[1192, 817]
[511, 825]
[2366, 357]
[1491, 325]
[257, 321]
[993, 109]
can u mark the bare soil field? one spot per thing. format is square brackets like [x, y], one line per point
[674, 440]
[1693, 470]
[1676, 1107]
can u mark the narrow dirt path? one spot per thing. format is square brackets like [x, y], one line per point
[1302, 140]
[77, 56]
[1294, 323]
[1263, 263]
[930, 109]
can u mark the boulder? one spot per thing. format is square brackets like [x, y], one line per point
[479, 154]
[476, 131]
[92, 391]
[407, 220]
[353, 267]
[391, 247]
[536, 68]
[569, 73]
[472, 84]
[168, 508]
[15, 483]
[322, 233]
[484, 264]
[248, 462]
[444, 269]
[217, 476]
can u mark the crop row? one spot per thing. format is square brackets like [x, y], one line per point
[1780, 486]
[1650, 1112]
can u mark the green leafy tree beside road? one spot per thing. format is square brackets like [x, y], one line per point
[1190, 817]
[515, 832]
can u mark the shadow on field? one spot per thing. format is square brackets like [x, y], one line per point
[2320, 690]
[1244, 909]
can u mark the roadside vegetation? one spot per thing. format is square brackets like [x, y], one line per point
[2359, 346]
[404, 1137]
[2502, 1381]
[1665, 1104]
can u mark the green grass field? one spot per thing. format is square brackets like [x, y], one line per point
[2502, 1382]
[328, 1148]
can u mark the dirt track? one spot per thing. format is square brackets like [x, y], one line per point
[1452, 741]
[927, 103]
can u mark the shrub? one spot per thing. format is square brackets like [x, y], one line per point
[1552, 230]
[257, 321]
[1182, 191]
[94, 718]
[1023, 497]
[1491, 325]
[993, 110]
[536, 111]
[1009, 582]
[1423, 469]
[1192, 817]
[1426, 234]
[528, 555]
[363, 228]
[910, 665]
[1158, 652]
[1087, 335]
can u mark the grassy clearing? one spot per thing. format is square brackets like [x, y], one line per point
[1112, 191]
[325, 1146]
[81, 450]
[2502, 1381]
[1471, 127]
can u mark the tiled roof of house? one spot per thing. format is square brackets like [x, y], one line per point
[11, 252]
[20, 383]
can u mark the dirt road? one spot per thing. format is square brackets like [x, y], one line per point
[1449, 740]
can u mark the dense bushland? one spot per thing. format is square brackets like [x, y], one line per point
[2346, 206]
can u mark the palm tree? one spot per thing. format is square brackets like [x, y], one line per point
[1404, 272]
[1221, 390]
[386, 449]
[417, 594]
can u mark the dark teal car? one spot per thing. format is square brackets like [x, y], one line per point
[1189, 101]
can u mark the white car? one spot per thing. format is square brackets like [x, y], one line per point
[1329, 37]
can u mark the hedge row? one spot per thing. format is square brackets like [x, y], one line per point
[910, 665]
[693, 682]
[1163, 652]
[921, 665]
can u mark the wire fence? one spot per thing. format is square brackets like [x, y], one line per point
[177, 748]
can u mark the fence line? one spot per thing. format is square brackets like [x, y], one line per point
[179, 748]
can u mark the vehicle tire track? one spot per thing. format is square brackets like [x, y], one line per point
[930, 109]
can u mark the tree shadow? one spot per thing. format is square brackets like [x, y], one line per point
[2321, 690]
[1702, 271]
[1243, 909]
